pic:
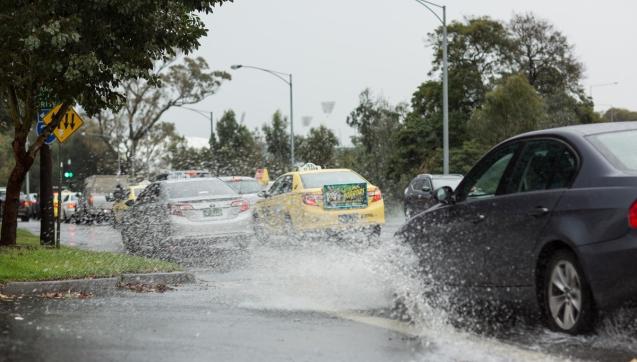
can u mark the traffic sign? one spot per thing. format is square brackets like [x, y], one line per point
[70, 123]
[39, 127]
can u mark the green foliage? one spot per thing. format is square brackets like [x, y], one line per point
[510, 108]
[31, 262]
[6, 162]
[82, 52]
[504, 79]
[319, 147]
[235, 151]
[619, 115]
[378, 124]
[277, 139]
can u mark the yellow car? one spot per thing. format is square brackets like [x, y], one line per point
[313, 199]
[120, 206]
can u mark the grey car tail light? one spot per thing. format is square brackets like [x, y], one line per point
[632, 215]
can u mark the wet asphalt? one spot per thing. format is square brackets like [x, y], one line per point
[281, 302]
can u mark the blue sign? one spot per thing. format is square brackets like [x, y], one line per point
[40, 126]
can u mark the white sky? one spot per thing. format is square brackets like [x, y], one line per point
[336, 48]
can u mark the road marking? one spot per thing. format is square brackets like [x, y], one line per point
[483, 344]
[385, 323]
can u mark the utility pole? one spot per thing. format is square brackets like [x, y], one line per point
[59, 210]
[28, 184]
[47, 227]
[445, 80]
[291, 126]
[212, 130]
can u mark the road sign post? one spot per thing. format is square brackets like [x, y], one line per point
[69, 124]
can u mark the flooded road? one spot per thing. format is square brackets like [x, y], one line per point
[309, 300]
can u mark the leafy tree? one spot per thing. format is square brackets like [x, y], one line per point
[619, 115]
[319, 147]
[130, 126]
[377, 123]
[511, 108]
[544, 55]
[479, 53]
[180, 156]
[235, 152]
[277, 140]
[81, 52]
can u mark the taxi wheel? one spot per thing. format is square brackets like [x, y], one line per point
[260, 232]
[288, 229]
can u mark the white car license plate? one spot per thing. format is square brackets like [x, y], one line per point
[212, 212]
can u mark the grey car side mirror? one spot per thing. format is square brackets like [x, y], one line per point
[444, 195]
[264, 194]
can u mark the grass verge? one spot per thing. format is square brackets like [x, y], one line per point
[31, 262]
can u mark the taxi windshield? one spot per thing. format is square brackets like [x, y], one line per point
[317, 180]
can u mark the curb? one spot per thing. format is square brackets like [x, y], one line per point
[96, 287]
[157, 278]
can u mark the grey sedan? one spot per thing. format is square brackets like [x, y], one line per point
[546, 219]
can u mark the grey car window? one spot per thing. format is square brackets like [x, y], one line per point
[418, 184]
[619, 148]
[485, 178]
[544, 164]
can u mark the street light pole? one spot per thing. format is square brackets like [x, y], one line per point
[445, 95]
[288, 81]
[590, 88]
[291, 125]
[445, 81]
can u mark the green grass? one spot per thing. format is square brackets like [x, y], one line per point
[30, 262]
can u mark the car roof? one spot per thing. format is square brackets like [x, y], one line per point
[325, 170]
[191, 179]
[582, 130]
[236, 178]
[434, 176]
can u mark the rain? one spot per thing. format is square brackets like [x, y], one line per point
[162, 200]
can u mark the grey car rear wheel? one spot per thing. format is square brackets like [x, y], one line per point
[567, 299]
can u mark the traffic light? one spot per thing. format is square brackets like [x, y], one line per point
[68, 173]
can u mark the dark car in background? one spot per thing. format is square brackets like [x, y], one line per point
[547, 219]
[419, 193]
[24, 207]
[3, 195]
[34, 205]
[174, 213]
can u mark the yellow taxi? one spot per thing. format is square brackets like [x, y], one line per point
[55, 201]
[316, 199]
[120, 206]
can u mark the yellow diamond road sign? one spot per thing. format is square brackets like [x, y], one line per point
[70, 123]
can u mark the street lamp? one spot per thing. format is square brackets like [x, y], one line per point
[445, 81]
[288, 81]
[590, 88]
[203, 114]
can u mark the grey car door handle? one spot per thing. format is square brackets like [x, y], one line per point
[539, 211]
[479, 219]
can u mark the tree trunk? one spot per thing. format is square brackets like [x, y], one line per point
[12, 200]
[47, 225]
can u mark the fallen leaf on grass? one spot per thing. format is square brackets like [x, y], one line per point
[147, 288]
[7, 298]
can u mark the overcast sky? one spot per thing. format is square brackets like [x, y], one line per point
[337, 48]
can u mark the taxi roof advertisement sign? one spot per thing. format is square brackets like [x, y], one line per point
[345, 196]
